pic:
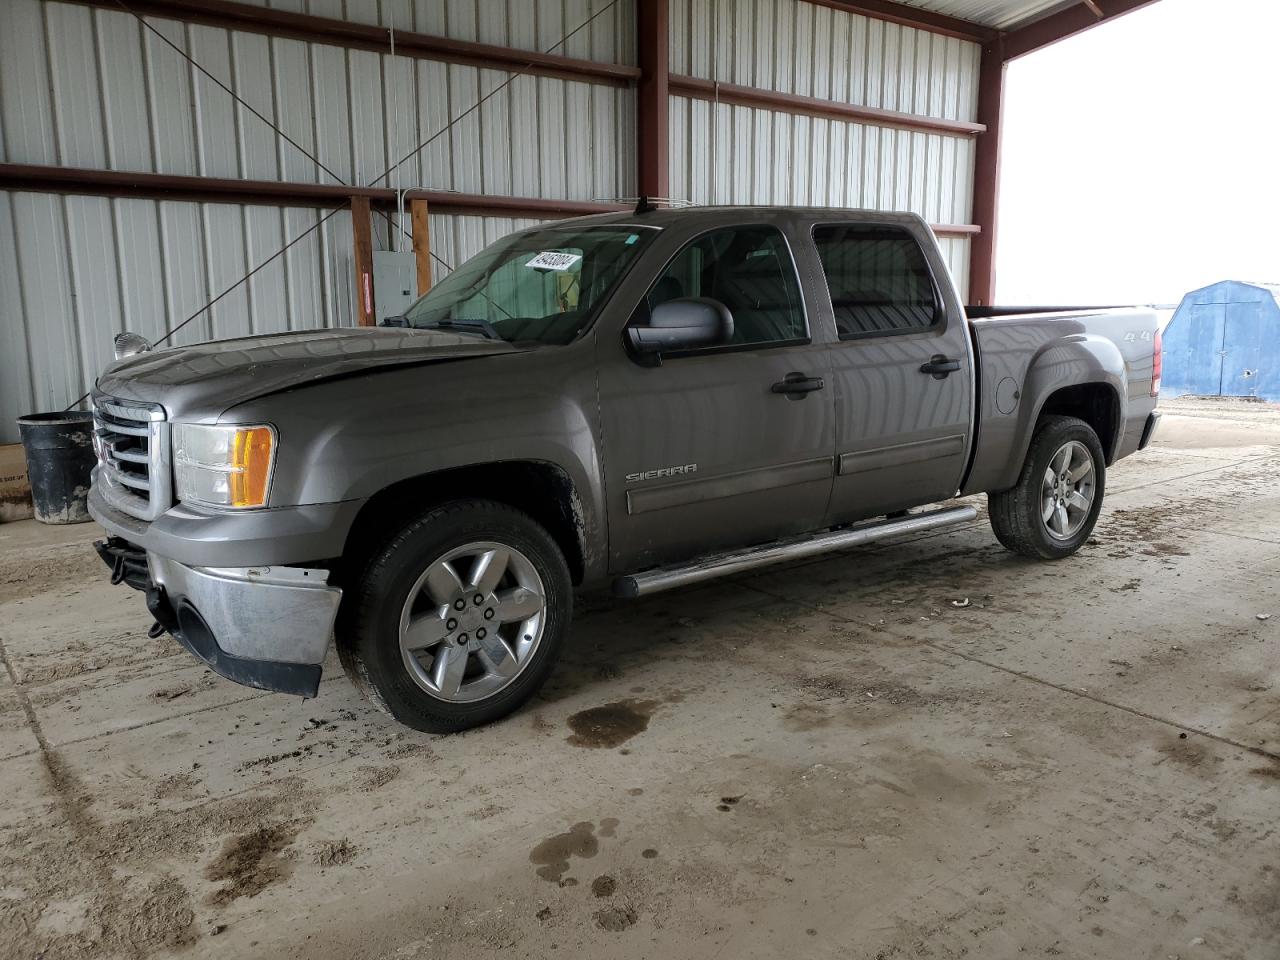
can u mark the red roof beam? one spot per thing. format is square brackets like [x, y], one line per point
[1066, 23]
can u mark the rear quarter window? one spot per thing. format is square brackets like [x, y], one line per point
[879, 280]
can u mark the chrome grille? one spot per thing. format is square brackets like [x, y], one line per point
[132, 443]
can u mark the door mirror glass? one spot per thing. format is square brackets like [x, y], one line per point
[683, 324]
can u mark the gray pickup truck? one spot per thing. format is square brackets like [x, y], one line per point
[632, 402]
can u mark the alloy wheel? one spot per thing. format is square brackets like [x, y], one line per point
[472, 622]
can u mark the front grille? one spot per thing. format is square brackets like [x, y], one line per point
[132, 443]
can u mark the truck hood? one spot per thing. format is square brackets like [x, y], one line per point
[205, 379]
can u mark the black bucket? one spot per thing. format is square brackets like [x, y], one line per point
[60, 459]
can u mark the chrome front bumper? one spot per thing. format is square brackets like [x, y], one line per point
[283, 614]
[265, 627]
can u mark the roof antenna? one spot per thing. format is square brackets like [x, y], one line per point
[644, 206]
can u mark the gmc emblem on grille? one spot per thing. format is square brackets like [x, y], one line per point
[662, 472]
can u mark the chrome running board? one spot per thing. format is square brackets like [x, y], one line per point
[723, 564]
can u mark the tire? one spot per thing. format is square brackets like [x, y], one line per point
[424, 649]
[1018, 515]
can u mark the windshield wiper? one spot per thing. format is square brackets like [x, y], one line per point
[465, 325]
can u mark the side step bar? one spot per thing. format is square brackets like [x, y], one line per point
[719, 565]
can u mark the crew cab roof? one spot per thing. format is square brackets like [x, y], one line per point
[711, 216]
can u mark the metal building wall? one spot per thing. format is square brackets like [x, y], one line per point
[93, 88]
[725, 153]
[76, 270]
[118, 97]
[523, 24]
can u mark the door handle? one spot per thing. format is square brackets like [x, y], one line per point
[797, 385]
[941, 367]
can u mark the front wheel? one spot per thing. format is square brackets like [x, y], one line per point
[459, 619]
[1051, 511]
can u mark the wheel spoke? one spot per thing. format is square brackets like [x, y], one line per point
[447, 671]
[443, 583]
[1047, 508]
[1050, 478]
[518, 604]
[423, 630]
[1082, 470]
[496, 655]
[488, 570]
[1078, 501]
[1062, 521]
[1061, 459]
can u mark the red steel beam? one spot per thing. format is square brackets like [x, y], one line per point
[986, 176]
[652, 99]
[815, 106]
[303, 26]
[908, 16]
[1066, 23]
[163, 186]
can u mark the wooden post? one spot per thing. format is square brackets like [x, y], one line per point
[421, 243]
[362, 230]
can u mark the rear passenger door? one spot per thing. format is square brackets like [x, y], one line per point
[901, 372]
[727, 445]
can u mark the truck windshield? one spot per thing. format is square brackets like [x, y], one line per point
[540, 286]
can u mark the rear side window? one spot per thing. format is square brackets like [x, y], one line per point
[879, 280]
[749, 270]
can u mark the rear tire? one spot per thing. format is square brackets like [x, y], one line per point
[1051, 511]
[458, 619]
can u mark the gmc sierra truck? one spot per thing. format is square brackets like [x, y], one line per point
[627, 401]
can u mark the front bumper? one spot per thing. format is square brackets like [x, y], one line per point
[200, 537]
[266, 627]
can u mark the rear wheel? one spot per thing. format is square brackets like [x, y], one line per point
[1052, 510]
[459, 619]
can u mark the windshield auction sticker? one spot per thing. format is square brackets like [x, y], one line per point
[549, 260]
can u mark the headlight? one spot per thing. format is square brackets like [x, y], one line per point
[223, 466]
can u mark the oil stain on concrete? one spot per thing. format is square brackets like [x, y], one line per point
[553, 854]
[611, 724]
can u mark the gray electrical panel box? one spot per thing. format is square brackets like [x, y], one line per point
[395, 283]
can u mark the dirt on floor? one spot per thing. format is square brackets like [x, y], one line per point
[923, 748]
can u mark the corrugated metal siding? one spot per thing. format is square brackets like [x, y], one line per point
[815, 51]
[93, 88]
[724, 154]
[74, 271]
[118, 97]
[522, 24]
[1000, 14]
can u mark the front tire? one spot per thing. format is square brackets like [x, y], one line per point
[459, 618]
[1052, 510]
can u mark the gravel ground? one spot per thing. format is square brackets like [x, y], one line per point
[839, 758]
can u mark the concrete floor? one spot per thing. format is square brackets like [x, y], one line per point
[828, 760]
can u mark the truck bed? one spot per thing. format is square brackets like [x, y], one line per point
[1036, 351]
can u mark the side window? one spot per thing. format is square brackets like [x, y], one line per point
[749, 270]
[879, 280]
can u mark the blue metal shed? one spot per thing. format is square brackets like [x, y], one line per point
[1224, 340]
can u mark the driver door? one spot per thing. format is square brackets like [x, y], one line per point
[710, 449]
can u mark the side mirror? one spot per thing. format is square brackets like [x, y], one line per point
[683, 325]
[128, 344]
